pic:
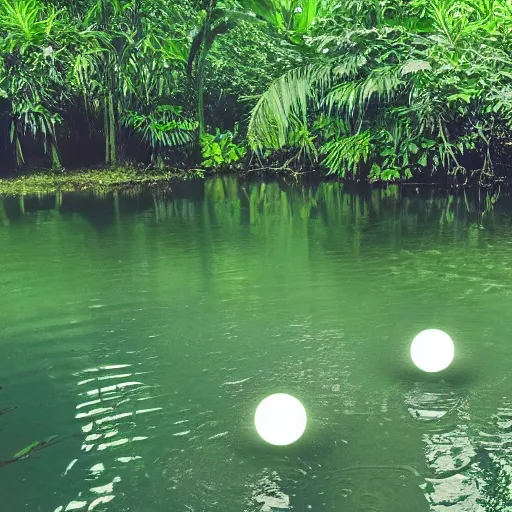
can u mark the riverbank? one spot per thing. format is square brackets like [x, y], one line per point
[121, 178]
[104, 180]
[110, 180]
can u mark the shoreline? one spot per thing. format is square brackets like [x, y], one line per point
[121, 178]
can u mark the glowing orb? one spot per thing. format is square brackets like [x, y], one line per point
[280, 419]
[432, 350]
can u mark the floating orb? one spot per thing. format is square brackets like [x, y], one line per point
[432, 350]
[280, 419]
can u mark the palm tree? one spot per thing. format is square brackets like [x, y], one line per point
[291, 18]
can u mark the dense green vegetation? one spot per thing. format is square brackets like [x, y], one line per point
[380, 90]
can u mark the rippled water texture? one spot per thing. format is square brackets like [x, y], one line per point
[143, 329]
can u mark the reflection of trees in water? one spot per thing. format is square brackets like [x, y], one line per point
[415, 236]
[262, 200]
[345, 217]
[410, 235]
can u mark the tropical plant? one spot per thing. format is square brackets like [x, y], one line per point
[139, 65]
[30, 75]
[220, 149]
[290, 17]
[162, 128]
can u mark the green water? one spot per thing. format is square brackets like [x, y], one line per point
[143, 329]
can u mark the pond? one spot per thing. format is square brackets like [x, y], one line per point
[143, 328]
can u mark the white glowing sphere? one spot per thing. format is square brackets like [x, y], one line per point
[432, 350]
[280, 419]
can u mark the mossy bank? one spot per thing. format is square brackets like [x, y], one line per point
[106, 180]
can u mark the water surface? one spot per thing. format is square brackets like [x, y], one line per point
[144, 328]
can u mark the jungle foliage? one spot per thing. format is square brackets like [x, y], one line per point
[380, 90]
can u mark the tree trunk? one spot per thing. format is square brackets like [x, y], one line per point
[56, 162]
[110, 131]
[112, 123]
[106, 132]
[200, 91]
[160, 164]
[20, 159]
[201, 67]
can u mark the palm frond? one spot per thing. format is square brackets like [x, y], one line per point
[383, 82]
[289, 96]
[346, 154]
[162, 128]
